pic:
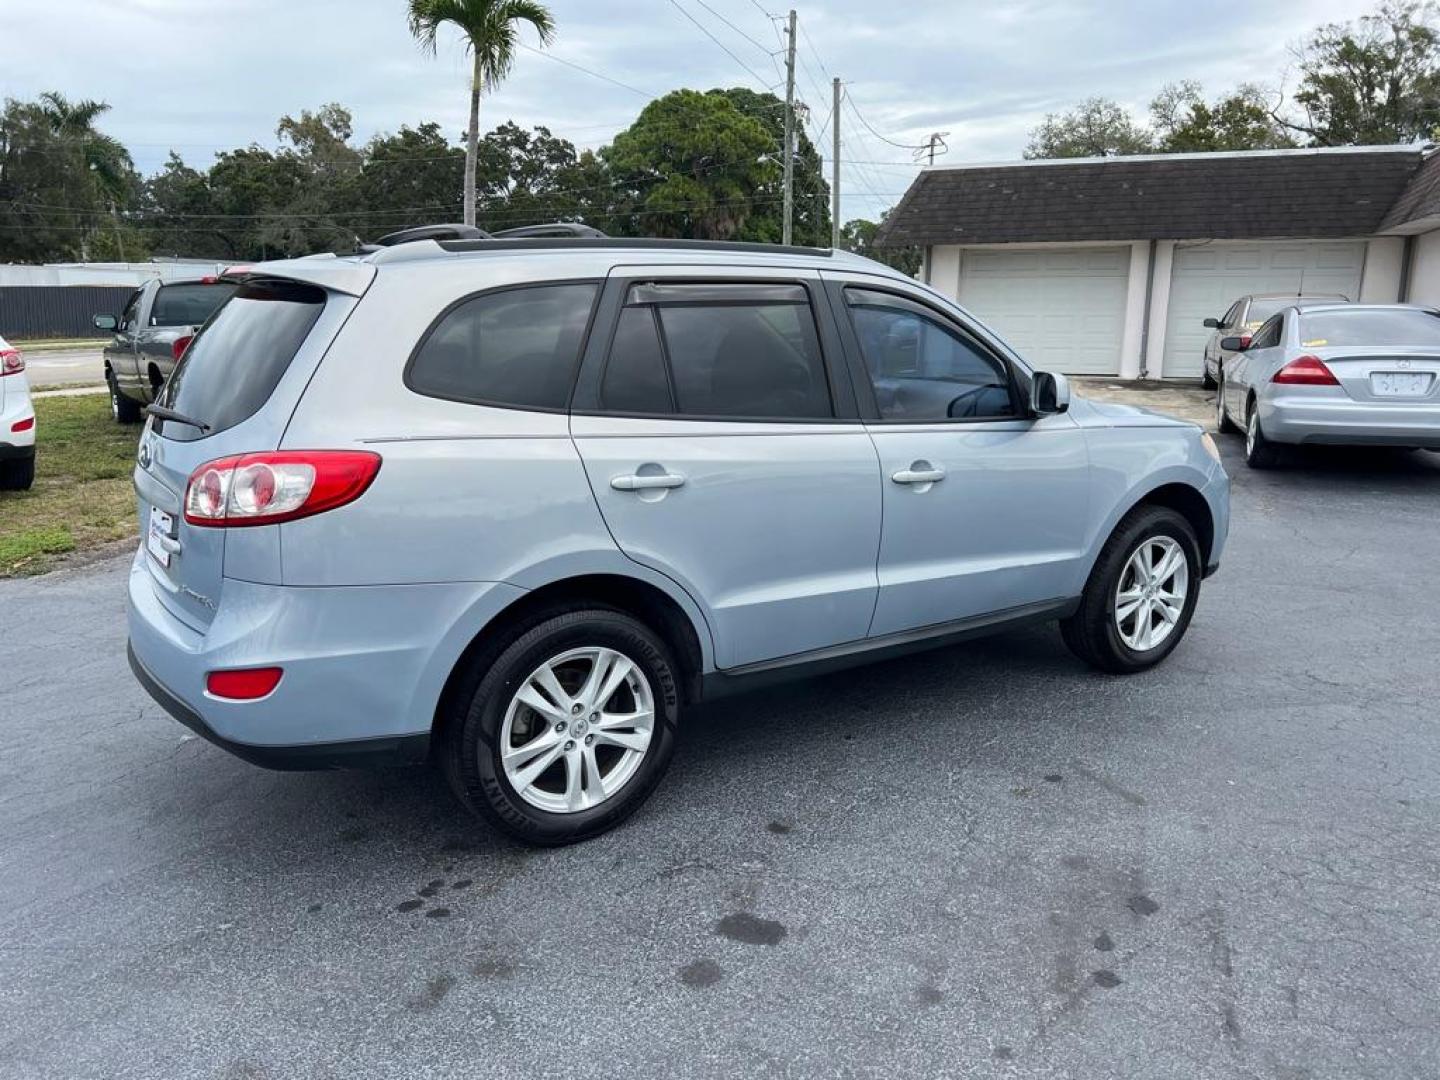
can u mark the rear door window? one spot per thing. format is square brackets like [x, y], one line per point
[188, 304]
[747, 351]
[515, 347]
[236, 361]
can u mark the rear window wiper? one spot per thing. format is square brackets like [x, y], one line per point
[160, 412]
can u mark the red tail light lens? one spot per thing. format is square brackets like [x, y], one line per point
[244, 685]
[1306, 371]
[11, 362]
[177, 349]
[23, 425]
[265, 489]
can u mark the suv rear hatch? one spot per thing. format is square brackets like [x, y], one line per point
[238, 381]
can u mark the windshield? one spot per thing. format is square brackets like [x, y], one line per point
[236, 361]
[1377, 326]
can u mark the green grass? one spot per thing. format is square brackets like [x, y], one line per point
[82, 496]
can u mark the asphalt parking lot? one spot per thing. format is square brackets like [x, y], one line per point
[983, 862]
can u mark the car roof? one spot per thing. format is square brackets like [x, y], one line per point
[1357, 308]
[1295, 296]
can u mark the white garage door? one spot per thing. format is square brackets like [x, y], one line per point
[1207, 279]
[1063, 309]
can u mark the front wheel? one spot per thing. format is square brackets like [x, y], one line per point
[1223, 423]
[569, 730]
[1141, 594]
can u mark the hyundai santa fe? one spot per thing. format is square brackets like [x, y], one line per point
[512, 505]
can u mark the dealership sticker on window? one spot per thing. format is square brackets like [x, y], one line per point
[1316, 343]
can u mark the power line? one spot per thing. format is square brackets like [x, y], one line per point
[702, 28]
[587, 71]
[866, 123]
[737, 29]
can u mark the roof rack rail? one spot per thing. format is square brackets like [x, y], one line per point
[554, 229]
[499, 243]
[430, 232]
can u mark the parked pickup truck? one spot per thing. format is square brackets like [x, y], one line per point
[151, 333]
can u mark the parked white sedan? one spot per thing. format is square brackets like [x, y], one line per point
[1351, 374]
[17, 422]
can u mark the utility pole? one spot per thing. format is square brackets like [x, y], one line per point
[789, 214]
[835, 166]
[936, 141]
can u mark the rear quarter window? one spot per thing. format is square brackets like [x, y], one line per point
[188, 304]
[236, 361]
[513, 347]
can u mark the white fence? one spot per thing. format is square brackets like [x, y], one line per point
[131, 274]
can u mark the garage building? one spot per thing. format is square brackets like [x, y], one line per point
[1108, 266]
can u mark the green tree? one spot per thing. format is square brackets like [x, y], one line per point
[1097, 127]
[491, 29]
[858, 235]
[1185, 123]
[1373, 81]
[409, 178]
[812, 194]
[179, 211]
[691, 165]
[527, 178]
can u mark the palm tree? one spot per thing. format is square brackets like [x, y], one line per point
[492, 30]
[106, 161]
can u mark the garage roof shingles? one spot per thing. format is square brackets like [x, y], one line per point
[1171, 197]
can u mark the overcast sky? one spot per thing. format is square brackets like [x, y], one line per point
[198, 76]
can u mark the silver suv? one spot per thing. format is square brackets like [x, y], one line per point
[513, 504]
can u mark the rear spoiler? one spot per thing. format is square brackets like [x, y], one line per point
[341, 275]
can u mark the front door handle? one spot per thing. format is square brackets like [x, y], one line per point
[919, 473]
[636, 482]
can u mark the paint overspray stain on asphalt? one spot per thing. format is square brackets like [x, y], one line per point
[750, 929]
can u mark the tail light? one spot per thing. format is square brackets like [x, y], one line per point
[247, 684]
[177, 349]
[265, 489]
[11, 362]
[23, 425]
[1306, 371]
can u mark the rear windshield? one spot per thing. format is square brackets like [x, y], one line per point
[234, 364]
[188, 305]
[1262, 308]
[1396, 326]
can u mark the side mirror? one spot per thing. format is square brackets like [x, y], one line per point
[106, 322]
[1235, 344]
[1049, 393]
[1212, 324]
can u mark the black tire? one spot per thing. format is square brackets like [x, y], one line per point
[1207, 380]
[122, 408]
[17, 474]
[470, 754]
[1260, 452]
[1223, 423]
[1092, 633]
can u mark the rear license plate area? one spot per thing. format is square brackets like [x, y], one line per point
[1400, 383]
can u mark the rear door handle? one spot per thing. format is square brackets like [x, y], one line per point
[636, 482]
[919, 476]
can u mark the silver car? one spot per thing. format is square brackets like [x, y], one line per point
[1352, 374]
[515, 504]
[1247, 315]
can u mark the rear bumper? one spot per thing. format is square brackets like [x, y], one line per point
[364, 666]
[1349, 423]
[357, 754]
[11, 452]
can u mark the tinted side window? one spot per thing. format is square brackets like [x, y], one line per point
[1268, 336]
[922, 369]
[518, 347]
[635, 379]
[188, 304]
[1232, 317]
[236, 361]
[132, 311]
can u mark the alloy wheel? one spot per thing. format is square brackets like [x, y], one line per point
[577, 730]
[1150, 597]
[1252, 430]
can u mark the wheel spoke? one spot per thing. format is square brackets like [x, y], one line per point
[608, 721]
[595, 789]
[524, 777]
[574, 784]
[1125, 610]
[619, 671]
[530, 695]
[1169, 612]
[629, 740]
[603, 663]
[1169, 565]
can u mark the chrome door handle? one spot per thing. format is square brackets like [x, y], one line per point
[918, 476]
[646, 483]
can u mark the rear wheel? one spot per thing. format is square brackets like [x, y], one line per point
[122, 409]
[1138, 602]
[569, 730]
[1260, 452]
[17, 474]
